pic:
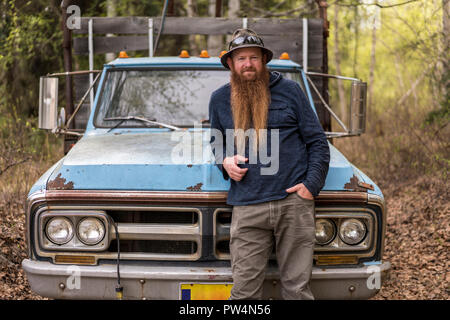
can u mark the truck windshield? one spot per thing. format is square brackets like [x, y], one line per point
[176, 97]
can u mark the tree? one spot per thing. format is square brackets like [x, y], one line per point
[215, 42]
[30, 45]
[110, 12]
[337, 61]
[191, 12]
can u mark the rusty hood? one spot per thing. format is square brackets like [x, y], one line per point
[177, 161]
[140, 161]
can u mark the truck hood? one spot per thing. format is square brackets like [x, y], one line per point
[157, 161]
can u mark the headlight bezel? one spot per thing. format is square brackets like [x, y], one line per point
[337, 215]
[75, 217]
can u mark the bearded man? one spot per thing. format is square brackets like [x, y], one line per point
[268, 207]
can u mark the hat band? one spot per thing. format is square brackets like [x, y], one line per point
[245, 40]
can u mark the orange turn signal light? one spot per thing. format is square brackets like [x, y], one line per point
[222, 53]
[334, 260]
[184, 54]
[75, 259]
[123, 54]
[204, 54]
[285, 56]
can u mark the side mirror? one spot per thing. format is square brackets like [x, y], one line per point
[48, 103]
[358, 101]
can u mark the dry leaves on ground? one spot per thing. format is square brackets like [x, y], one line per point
[417, 240]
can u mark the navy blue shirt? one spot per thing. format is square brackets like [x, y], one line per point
[304, 154]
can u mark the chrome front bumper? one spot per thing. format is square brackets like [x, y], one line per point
[150, 282]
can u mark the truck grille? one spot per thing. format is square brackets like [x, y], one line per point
[157, 233]
[155, 246]
[222, 224]
[158, 217]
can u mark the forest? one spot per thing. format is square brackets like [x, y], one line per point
[401, 48]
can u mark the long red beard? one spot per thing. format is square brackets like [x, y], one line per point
[250, 101]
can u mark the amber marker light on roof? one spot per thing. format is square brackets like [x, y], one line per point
[222, 53]
[184, 54]
[123, 54]
[284, 56]
[204, 54]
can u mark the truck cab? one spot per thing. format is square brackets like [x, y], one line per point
[137, 208]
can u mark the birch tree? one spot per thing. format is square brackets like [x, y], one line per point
[372, 67]
[337, 61]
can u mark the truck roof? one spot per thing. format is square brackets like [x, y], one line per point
[213, 62]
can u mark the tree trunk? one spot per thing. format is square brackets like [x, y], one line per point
[234, 7]
[337, 59]
[215, 43]
[445, 51]
[191, 12]
[355, 52]
[372, 69]
[446, 24]
[110, 12]
[171, 8]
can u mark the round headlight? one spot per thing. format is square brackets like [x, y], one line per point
[325, 231]
[91, 231]
[352, 231]
[59, 230]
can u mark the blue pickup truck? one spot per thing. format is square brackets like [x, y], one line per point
[137, 208]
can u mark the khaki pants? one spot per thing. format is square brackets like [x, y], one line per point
[291, 221]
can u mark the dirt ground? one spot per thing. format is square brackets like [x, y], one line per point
[417, 242]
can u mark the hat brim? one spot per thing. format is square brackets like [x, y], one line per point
[267, 52]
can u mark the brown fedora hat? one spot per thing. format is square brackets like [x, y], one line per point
[245, 38]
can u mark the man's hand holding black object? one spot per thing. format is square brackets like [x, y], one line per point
[231, 166]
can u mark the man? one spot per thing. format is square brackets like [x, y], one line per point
[276, 206]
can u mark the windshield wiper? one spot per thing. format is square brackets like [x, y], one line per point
[152, 121]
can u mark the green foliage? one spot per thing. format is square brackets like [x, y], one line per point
[30, 46]
[441, 115]
[408, 46]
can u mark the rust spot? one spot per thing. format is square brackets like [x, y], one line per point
[366, 185]
[59, 184]
[353, 184]
[357, 185]
[197, 187]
